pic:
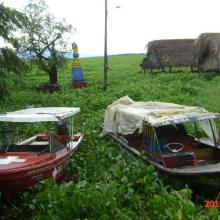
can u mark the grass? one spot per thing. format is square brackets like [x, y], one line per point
[101, 183]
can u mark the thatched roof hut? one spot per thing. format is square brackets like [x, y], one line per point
[207, 51]
[169, 53]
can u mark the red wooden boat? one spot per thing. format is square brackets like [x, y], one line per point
[40, 157]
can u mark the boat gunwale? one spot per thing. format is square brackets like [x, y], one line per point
[173, 171]
[36, 166]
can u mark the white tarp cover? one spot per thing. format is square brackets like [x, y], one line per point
[125, 116]
[39, 114]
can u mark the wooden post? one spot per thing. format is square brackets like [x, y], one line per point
[105, 49]
[169, 69]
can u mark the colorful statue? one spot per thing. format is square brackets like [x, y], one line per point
[78, 80]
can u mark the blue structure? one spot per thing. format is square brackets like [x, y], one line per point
[78, 80]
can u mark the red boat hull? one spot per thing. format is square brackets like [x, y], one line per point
[20, 175]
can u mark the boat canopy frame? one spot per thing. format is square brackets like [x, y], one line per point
[156, 143]
[44, 114]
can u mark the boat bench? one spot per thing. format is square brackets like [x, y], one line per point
[29, 148]
[62, 138]
[180, 159]
[169, 134]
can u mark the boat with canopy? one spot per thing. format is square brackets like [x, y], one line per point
[181, 141]
[23, 163]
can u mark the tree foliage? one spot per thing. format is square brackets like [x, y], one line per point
[11, 66]
[10, 20]
[44, 38]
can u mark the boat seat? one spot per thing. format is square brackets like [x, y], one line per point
[62, 138]
[28, 148]
[175, 146]
[173, 136]
[42, 137]
[181, 159]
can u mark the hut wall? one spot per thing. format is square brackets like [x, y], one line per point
[207, 53]
[169, 53]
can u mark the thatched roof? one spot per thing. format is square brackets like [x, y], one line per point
[207, 47]
[172, 53]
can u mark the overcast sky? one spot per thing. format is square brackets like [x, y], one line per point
[134, 24]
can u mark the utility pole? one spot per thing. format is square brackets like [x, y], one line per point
[105, 49]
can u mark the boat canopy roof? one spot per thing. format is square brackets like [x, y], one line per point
[39, 114]
[126, 116]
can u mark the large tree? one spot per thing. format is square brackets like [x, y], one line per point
[44, 38]
[11, 66]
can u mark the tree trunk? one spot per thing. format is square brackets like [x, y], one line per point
[53, 74]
